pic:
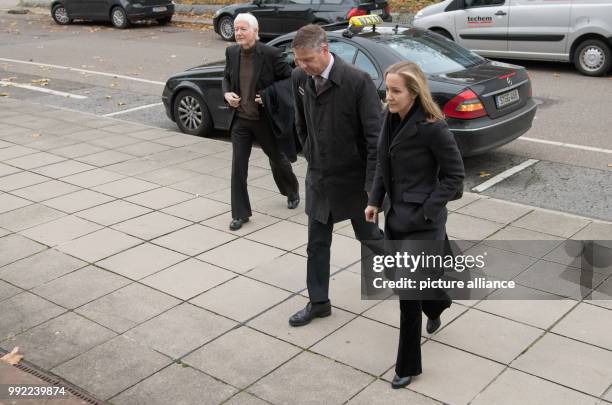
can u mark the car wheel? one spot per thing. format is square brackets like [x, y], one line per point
[226, 28]
[119, 18]
[593, 58]
[191, 114]
[60, 15]
[443, 32]
[164, 21]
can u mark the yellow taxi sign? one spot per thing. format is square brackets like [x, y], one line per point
[365, 20]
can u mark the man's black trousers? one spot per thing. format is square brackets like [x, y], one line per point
[243, 134]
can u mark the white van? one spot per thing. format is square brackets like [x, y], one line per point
[578, 31]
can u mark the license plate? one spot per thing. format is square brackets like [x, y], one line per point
[377, 11]
[160, 9]
[507, 98]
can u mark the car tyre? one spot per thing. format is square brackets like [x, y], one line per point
[119, 18]
[191, 114]
[593, 58]
[164, 21]
[60, 15]
[226, 27]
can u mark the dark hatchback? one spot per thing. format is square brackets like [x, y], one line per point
[278, 17]
[119, 12]
[487, 103]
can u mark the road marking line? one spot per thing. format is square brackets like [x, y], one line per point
[93, 72]
[566, 145]
[5, 83]
[504, 175]
[142, 107]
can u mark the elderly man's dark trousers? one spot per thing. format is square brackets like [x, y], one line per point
[243, 133]
[319, 252]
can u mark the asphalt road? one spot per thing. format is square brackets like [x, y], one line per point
[573, 110]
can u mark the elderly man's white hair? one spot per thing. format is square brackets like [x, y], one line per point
[249, 19]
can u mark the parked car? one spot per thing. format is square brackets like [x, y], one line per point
[119, 12]
[578, 31]
[487, 103]
[278, 17]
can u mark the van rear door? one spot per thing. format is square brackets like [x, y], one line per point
[540, 27]
[482, 25]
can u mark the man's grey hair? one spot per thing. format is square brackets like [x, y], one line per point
[249, 19]
[310, 36]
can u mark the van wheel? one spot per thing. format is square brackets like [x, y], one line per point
[443, 32]
[593, 58]
[119, 18]
[60, 15]
[191, 114]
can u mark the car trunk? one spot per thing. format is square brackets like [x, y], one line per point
[497, 86]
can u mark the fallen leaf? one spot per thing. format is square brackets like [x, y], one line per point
[556, 75]
[108, 97]
[120, 103]
[13, 357]
[609, 164]
[484, 174]
[35, 135]
[5, 95]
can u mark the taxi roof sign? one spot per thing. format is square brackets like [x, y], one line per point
[365, 20]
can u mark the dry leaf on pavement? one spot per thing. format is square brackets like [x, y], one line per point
[484, 174]
[13, 357]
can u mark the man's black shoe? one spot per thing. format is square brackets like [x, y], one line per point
[311, 311]
[293, 201]
[237, 223]
[400, 382]
[433, 325]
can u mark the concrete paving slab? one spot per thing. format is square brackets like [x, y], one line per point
[180, 330]
[105, 158]
[349, 343]
[379, 393]
[177, 385]
[28, 216]
[141, 261]
[241, 255]
[112, 367]
[40, 268]
[287, 271]
[205, 164]
[194, 239]
[188, 279]
[23, 311]
[78, 201]
[160, 198]
[77, 150]
[167, 176]
[568, 362]
[305, 375]
[202, 185]
[125, 187]
[115, 141]
[142, 148]
[240, 298]
[134, 167]
[10, 202]
[255, 194]
[19, 180]
[113, 212]
[284, 235]
[552, 223]
[15, 151]
[151, 225]
[198, 209]
[7, 290]
[34, 160]
[99, 245]
[515, 387]
[241, 356]
[6, 170]
[15, 247]
[61, 230]
[495, 210]
[587, 323]
[244, 398]
[59, 340]
[92, 178]
[471, 228]
[63, 169]
[345, 292]
[127, 307]
[256, 222]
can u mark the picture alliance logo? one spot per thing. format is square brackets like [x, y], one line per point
[480, 20]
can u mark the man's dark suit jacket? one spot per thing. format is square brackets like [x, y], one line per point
[269, 67]
[338, 130]
[419, 170]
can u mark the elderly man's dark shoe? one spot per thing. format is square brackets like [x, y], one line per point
[311, 311]
[400, 382]
[293, 201]
[433, 325]
[237, 223]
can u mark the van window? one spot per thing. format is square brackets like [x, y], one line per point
[433, 55]
[483, 3]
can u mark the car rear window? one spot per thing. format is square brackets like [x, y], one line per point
[433, 54]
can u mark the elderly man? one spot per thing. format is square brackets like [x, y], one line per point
[250, 67]
[338, 117]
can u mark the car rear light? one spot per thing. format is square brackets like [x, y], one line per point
[354, 12]
[387, 10]
[465, 105]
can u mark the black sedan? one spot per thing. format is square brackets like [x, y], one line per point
[278, 17]
[119, 12]
[487, 103]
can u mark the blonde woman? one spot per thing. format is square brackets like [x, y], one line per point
[419, 169]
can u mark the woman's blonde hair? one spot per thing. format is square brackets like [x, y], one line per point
[416, 82]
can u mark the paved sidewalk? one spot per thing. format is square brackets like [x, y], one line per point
[119, 274]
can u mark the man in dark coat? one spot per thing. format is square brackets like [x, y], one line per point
[250, 67]
[338, 117]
